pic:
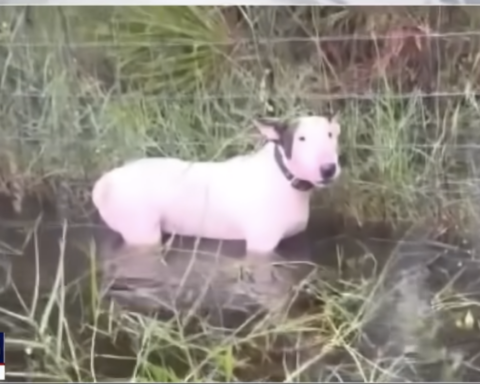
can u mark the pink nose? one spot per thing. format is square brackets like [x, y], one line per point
[328, 171]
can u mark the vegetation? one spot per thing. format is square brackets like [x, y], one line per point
[84, 89]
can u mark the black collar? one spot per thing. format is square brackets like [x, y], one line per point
[301, 185]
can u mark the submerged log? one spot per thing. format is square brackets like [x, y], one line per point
[213, 275]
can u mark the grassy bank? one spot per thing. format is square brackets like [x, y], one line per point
[78, 96]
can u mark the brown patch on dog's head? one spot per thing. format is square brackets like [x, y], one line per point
[280, 132]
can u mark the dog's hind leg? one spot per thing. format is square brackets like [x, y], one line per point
[137, 226]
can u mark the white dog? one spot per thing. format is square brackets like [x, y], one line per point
[260, 197]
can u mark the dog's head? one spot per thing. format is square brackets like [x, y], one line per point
[309, 146]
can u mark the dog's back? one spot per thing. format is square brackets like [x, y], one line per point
[192, 199]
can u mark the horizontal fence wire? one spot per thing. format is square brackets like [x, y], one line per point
[468, 93]
[260, 40]
[406, 146]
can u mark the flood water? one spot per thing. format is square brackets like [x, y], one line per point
[413, 265]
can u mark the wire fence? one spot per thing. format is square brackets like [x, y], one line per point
[465, 89]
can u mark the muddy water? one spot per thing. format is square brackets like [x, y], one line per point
[413, 265]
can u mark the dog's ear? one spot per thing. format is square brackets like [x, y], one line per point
[335, 123]
[271, 129]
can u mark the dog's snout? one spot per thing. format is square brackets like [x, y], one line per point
[328, 171]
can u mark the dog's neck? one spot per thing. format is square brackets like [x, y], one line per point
[298, 184]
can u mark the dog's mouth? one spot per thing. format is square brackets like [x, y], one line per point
[322, 183]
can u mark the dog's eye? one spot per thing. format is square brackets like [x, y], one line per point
[301, 138]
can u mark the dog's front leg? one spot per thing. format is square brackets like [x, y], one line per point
[260, 257]
[264, 275]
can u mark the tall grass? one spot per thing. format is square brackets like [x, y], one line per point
[400, 158]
